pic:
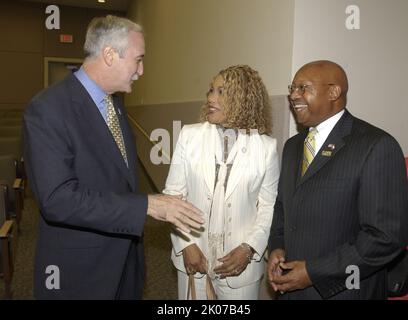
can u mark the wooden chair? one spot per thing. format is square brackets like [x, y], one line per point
[7, 237]
[14, 192]
[12, 146]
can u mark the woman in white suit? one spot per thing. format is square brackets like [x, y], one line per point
[227, 166]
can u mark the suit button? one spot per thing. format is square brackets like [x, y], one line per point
[230, 219]
[229, 205]
[293, 228]
[229, 234]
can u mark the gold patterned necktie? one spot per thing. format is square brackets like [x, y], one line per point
[309, 150]
[114, 127]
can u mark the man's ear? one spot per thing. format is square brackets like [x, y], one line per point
[108, 54]
[334, 92]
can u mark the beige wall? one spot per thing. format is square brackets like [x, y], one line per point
[375, 57]
[21, 53]
[25, 42]
[189, 41]
[185, 113]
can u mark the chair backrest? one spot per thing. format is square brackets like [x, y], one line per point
[3, 214]
[3, 209]
[8, 174]
[7, 169]
[6, 254]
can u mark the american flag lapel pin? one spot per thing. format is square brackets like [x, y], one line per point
[328, 153]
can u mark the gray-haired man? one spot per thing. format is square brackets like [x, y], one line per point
[82, 165]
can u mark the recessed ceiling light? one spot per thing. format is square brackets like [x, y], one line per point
[101, 1]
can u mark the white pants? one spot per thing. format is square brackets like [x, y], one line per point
[223, 291]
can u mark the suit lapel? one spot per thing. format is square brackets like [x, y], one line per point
[299, 157]
[333, 144]
[209, 145]
[129, 141]
[241, 150]
[93, 124]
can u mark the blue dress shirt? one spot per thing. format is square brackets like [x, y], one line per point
[96, 93]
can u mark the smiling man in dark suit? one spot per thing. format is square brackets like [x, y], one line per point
[82, 164]
[342, 207]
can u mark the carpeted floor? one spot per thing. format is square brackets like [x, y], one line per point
[161, 279]
[161, 276]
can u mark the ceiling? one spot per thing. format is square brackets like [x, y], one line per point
[115, 5]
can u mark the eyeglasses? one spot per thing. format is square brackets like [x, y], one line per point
[305, 87]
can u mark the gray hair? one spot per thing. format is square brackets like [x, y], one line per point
[108, 31]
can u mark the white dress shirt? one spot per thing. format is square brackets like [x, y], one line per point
[324, 129]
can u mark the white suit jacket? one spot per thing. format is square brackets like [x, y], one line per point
[249, 197]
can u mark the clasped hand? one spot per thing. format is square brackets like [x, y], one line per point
[286, 276]
[233, 264]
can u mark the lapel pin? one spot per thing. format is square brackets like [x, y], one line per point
[326, 153]
[331, 146]
[244, 150]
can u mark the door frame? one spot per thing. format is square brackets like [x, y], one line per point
[47, 60]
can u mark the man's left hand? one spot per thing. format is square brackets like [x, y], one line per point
[295, 278]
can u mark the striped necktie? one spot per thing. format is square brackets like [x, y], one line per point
[114, 127]
[309, 150]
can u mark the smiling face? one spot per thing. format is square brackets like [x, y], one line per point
[322, 97]
[129, 67]
[216, 101]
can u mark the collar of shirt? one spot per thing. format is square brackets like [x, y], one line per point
[231, 134]
[96, 93]
[324, 129]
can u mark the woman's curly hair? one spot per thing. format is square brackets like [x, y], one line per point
[246, 101]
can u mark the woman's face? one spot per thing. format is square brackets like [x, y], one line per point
[215, 101]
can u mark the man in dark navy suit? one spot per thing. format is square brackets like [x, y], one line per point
[82, 164]
[341, 211]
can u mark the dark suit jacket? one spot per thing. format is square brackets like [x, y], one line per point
[91, 213]
[350, 208]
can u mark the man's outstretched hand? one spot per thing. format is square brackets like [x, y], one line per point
[173, 209]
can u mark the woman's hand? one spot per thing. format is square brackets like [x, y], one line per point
[235, 262]
[194, 260]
